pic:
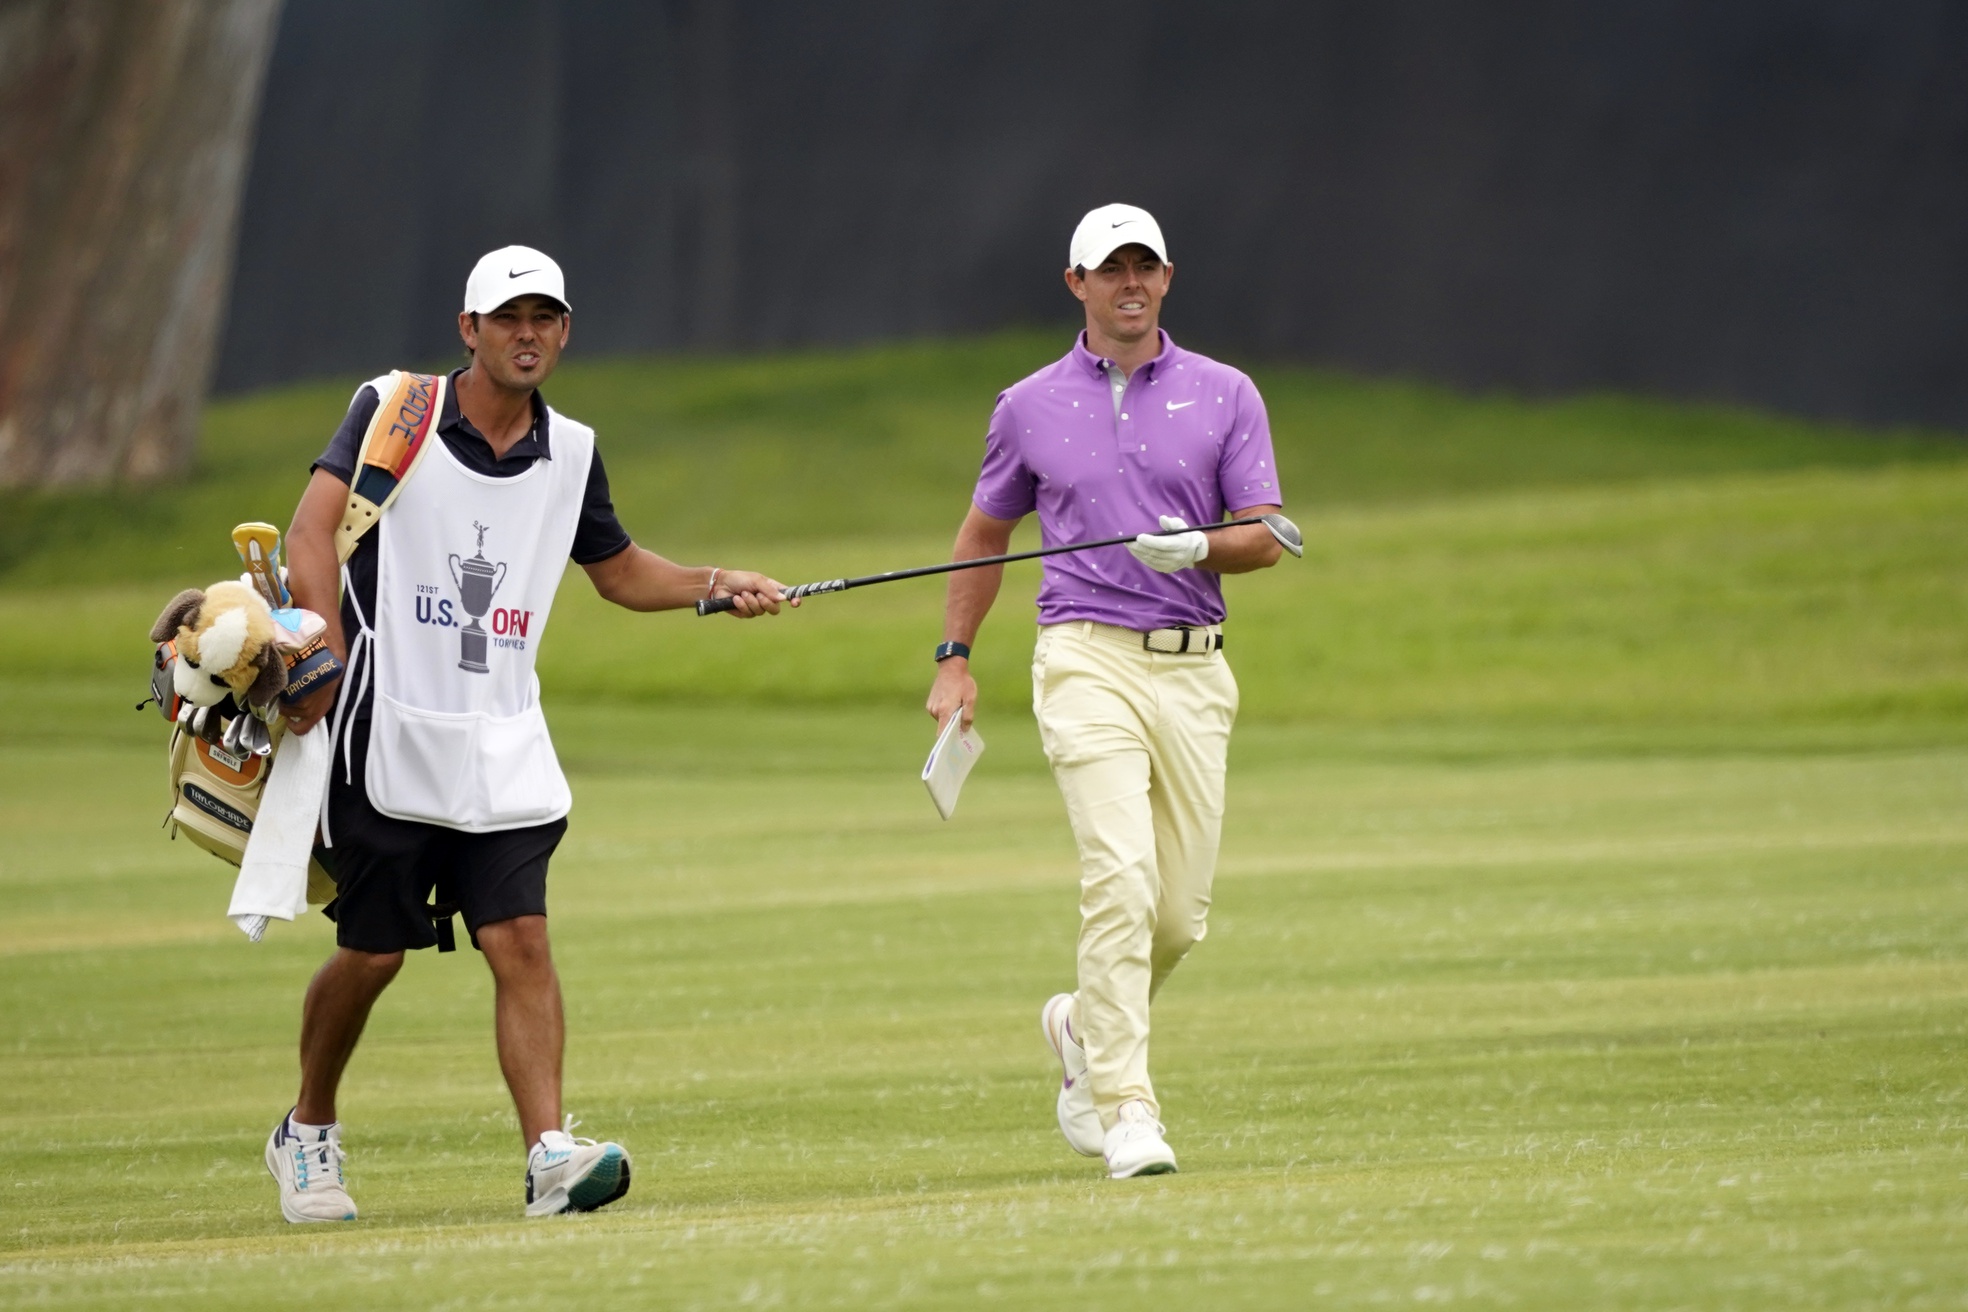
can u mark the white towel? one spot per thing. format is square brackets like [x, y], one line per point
[273, 877]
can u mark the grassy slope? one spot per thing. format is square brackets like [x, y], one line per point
[814, 448]
[1495, 1010]
[1596, 565]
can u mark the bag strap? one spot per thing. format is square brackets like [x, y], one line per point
[394, 445]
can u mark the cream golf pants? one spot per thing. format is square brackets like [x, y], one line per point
[1137, 741]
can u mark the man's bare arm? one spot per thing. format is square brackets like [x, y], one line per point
[969, 600]
[314, 576]
[641, 580]
[1242, 550]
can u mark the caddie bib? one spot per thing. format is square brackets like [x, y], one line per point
[465, 579]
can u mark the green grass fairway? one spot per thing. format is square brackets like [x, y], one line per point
[1592, 928]
[1643, 1032]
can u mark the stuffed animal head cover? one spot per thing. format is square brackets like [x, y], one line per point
[225, 645]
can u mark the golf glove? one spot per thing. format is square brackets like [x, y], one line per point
[1171, 553]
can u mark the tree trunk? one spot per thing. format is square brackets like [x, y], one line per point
[125, 128]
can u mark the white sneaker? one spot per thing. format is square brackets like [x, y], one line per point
[1135, 1145]
[309, 1171]
[565, 1174]
[1078, 1121]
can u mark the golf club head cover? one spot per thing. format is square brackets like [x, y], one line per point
[301, 637]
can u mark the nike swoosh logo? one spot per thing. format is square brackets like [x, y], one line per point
[1122, 224]
[1179, 405]
[521, 274]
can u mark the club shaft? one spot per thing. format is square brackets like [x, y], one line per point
[979, 562]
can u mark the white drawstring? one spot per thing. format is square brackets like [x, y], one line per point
[341, 726]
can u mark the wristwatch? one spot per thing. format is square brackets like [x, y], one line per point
[945, 650]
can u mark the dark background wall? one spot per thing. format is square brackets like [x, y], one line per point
[1763, 200]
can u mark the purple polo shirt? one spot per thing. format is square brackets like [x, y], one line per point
[1190, 438]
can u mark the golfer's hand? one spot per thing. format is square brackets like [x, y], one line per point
[1171, 552]
[954, 690]
[309, 710]
[752, 594]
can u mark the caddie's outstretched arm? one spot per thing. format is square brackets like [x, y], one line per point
[642, 580]
[969, 600]
[314, 577]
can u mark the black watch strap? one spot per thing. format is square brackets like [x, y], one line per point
[945, 650]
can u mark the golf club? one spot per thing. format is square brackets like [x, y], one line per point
[1281, 528]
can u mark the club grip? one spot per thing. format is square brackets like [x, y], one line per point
[716, 605]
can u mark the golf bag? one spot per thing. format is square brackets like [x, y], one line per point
[215, 793]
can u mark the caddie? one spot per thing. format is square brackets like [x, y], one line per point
[1126, 433]
[444, 778]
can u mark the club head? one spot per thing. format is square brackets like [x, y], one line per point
[1287, 534]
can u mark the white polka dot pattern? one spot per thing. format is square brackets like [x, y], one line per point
[1191, 470]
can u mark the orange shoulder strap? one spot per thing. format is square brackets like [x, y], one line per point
[399, 435]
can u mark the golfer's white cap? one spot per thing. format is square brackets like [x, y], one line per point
[1107, 229]
[512, 271]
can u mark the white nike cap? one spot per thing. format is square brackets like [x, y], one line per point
[1107, 229]
[512, 271]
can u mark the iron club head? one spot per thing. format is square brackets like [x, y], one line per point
[1287, 534]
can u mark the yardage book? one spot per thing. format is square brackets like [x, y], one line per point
[949, 764]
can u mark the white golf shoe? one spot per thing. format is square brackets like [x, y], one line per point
[565, 1174]
[308, 1166]
[1135, 1145]
[1078, 1121]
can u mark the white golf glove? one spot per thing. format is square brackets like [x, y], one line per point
[1173, 552]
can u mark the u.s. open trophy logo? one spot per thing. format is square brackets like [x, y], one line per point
[477, 579]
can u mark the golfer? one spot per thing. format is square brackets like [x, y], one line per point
[445, 777]
[1126, 433]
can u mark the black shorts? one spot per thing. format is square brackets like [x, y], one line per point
[385, 869]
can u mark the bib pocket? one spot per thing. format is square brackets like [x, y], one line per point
[525, 783]
[466, 770]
